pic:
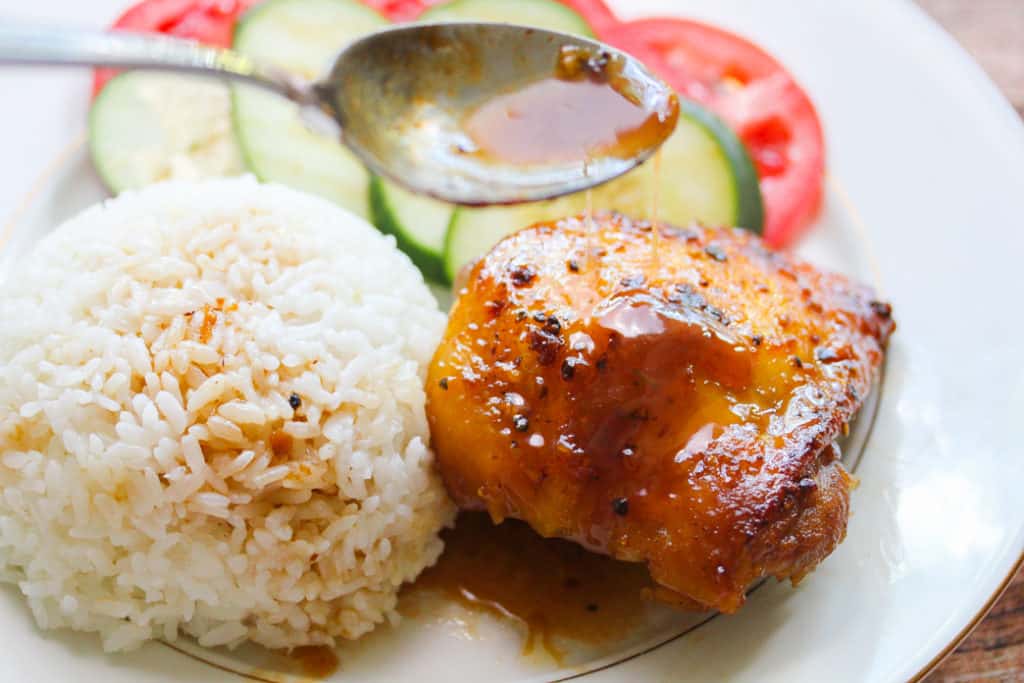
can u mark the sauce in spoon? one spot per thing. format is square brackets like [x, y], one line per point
[586, 109]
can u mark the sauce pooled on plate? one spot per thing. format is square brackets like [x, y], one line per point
[552, 589]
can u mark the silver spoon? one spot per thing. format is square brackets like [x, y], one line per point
[400, 96]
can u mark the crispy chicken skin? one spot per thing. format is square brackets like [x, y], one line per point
[666, 397]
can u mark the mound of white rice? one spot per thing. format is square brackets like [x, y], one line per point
[212, 420]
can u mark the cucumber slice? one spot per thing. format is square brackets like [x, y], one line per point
[302, 36]
[145, 127]
[546, 14]
[706, 176]
[419, 224]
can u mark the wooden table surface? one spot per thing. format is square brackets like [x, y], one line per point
[993, 31]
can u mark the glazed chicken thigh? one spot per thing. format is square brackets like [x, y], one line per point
[661, 395]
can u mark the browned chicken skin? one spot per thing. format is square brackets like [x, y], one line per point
[669, 398]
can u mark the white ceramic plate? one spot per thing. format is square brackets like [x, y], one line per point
[926, 199]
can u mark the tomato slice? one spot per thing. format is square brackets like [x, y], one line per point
[780, 127]
[208, 21]
[755, 94]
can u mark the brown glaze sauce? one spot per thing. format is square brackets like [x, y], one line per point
[551, 589]
[585, 110]
[318, 662]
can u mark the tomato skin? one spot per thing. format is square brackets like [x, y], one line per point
[755, 95]
[210, 22]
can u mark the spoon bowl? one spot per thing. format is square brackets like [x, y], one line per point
[402, 97]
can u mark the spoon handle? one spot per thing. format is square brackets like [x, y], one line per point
[27, 45]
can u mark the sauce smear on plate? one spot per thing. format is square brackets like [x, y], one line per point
[317, 662]
[552, 589]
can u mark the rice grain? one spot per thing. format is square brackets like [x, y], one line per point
[155, 477]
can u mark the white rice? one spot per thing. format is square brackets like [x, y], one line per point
[148, 352]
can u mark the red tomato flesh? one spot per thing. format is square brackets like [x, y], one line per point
[755, 94]
[207, 21]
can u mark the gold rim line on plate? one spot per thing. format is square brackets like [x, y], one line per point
[960, 637]
[218, 666]
[76, 144]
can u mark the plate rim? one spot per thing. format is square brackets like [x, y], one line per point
[994, 99]
[78, 145]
